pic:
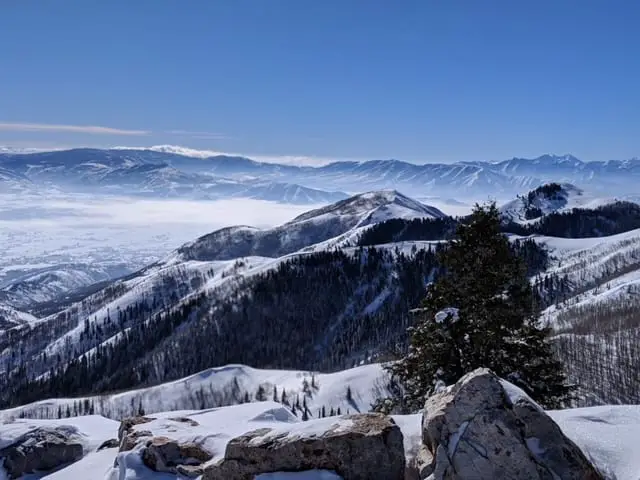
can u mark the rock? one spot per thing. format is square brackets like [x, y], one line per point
[163, 454]
[422, 463]
[131, 439]
[41, 449]
[127, 436]
[111, 443]
[127, 425]
[483, 428]
[356, 447]
[191, 422]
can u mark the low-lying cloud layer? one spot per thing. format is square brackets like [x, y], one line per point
[83, 229]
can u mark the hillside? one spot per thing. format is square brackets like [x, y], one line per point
[352, 390]
[338, 304]
[547, 199]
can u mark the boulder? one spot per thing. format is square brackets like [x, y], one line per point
[356, 447]
[41, 449]
[483, 428]
[162, 454]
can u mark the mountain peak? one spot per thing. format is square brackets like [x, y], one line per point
[555, 159]
[372, 206]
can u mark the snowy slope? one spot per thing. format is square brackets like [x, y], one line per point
[229, 385]
[608, 435]
[24, 289]
[589, 263]
[10, 317]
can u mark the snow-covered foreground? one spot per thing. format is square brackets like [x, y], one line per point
[608, 435]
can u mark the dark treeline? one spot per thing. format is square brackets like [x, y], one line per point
[609, 219]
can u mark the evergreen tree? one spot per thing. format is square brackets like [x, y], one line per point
[480, 313]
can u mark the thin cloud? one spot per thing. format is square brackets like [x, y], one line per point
[198, 135]
[301, 160]
[88, 129]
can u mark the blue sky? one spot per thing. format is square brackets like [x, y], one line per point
[420, 80]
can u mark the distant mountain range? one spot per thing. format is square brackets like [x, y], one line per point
[160, 171]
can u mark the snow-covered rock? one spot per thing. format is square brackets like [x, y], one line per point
[478, 429]
[356, 447]
[29, 446]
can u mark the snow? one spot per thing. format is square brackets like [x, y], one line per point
[411, 427]
[309, 429]
[516, 394]
[451, 314]
[608, 435]
[367, 383]
[94, 465]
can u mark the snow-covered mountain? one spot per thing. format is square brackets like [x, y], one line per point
[550, 198]
[183, 172]
[341, 219]
[146, 173]
[24, 289]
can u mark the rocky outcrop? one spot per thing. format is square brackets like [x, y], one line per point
[356, 447]
[163, 454]
[127, 436]
[41, 449]
[483, 428]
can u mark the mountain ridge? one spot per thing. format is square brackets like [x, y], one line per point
[179, 174]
